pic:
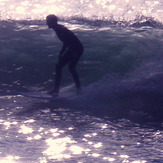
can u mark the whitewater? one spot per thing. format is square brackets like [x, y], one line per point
[118, 116]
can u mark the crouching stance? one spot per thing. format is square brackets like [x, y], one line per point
[70, 53]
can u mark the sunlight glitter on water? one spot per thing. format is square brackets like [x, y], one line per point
[10, 159]
[99, 141]
[7, 124]
[61, 148]
[123, 10]
[25, 130]
[57, 145]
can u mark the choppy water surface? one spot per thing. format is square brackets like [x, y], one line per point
[43, 133]
[124, 10]
[118, 118]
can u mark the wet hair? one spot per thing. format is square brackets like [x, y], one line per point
[51, 19]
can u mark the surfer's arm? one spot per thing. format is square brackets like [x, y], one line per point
[63, 50]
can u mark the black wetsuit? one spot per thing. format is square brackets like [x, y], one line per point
[70, 54]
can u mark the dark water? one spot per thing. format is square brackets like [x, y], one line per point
[118, 118]
[120, 68]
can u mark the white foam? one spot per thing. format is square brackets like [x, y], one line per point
[118, 10]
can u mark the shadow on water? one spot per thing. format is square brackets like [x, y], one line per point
[127, 108]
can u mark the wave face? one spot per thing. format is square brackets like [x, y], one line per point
[117, 10]
[121, 70]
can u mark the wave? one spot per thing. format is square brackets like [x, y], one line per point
[121, 69]
[140, 21]
[138, 96]
[106, 10]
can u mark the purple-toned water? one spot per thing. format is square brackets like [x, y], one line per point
[117, 118]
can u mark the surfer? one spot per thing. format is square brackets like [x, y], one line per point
[70, 53]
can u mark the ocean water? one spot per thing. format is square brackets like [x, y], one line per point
[117, 118]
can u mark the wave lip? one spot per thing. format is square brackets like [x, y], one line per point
[116, 10]
[139, 22]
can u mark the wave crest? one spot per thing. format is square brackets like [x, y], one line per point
[117, 10]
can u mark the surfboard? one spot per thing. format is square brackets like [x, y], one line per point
[39, 95]
[46, 96]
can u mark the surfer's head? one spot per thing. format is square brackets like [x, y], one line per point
[51, 20]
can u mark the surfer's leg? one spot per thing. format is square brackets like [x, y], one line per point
[58, 77]
[72, 68]
[62, 62]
